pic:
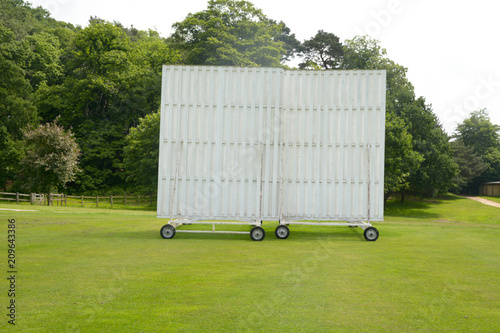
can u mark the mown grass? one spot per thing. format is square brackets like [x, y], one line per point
[435, 268]
[451, 208]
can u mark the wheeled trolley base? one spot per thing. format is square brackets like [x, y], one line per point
[257, 233]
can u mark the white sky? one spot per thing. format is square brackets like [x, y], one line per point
[450, 48]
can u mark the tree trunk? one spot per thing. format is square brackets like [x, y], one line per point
[386, 197]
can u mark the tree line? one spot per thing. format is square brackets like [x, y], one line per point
[80, 106]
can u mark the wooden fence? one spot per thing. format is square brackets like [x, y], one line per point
[59, 199]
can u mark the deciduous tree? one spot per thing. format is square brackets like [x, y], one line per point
[16, 107]
[478, 133]
[322, 51]
[400, 158]
[51, 158]
[110, 84]
[233, 33]
[142, 153]
[469, 163]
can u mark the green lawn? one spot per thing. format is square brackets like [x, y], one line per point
[435, 268]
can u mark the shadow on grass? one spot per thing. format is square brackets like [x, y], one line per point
[416, 207]
[335, 233]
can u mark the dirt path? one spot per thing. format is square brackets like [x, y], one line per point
[485, 201]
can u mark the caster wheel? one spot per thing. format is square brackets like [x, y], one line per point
[257, 234]
[167, 231]
[371, 234]
[282, 232]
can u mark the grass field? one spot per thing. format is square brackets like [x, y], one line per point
[435, 268]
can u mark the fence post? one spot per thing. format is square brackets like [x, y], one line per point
[49, 200]
[82, 200]
[97, 201]
[111, 200]
[65, 199]
[32, 198]
[125, 200]
[17, 197]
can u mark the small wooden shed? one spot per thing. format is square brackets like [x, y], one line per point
[491, 189]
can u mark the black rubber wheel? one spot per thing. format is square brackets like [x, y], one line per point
[167, 231]
[282, 232]
[371, 234]
[257, 234]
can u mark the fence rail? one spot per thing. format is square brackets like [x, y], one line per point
[60, 199]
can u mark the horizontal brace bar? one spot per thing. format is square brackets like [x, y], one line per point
[322, 144]
[269, 142]
[266, 142]
[337, 108]
[269, 180]
[247, 180]
[214, 232]
[225, 106]
[223, 223]
[339, 224]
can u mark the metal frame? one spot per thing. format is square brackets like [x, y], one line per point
[274, 125]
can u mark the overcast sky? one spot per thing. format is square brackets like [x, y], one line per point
[451, 48]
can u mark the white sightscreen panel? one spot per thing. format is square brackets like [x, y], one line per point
[219, 143]
[250, 143]
[333, 151]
